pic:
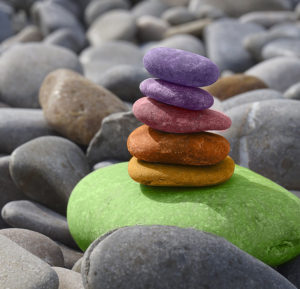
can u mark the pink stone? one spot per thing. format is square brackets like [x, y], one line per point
[173, 119]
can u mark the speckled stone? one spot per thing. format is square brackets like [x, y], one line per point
[181, 67]
[181, 96]
[170, 118]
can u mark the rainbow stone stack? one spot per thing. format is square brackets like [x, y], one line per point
[173, 147]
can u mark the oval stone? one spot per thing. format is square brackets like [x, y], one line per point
[169, 175]
[181, 67]
[178, 95]
[173, 119]
[197, 149]
[250, 211]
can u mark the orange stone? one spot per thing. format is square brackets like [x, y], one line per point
[196, 149]
[154, 174]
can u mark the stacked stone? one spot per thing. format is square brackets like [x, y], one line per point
[173, 147]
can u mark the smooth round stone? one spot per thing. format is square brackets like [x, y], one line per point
[168, 175]
[250, 211]
[181, 96]
[170, 118]
[181, 67]
[198, 149]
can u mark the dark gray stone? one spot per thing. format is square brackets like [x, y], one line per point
[110, 142]
[124, 81]
[278, 73]
[49, 16]
[113, 25]
[24, 67]
[149, 7]
[291, 271]
[19, 125]
[224, 44]
[37, 244]
[47, 169]
[8, 190]
[171, 257]
[6, 29]
[21, 269]
[268, 18]
[264, 137]
[97, 8]
[97, 60]
[251, 96]
[77, 265]
[67, 38]
[104, 164]
[70, 255]
[68, 279]
[293, 92]
[178, 15]
[33, 216]
[282, 47]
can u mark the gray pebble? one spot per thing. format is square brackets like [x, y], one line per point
[171, 257]
[77, 265]
[110, 142]
[291, 270]
[113, 25]
[231, 55]
[5, 22]
[70, 5]
[19, 125]
[20, 269]
[178, 15]
[282, 47]
[97, 8]
[37, 244]
[70, 255]
[24, 67]
[68, 279]
[104, 164]
[47, 169]
[149, 7]
[278, 73]
[264, 137]
[208, 11]
[251, 96]
[293, 92]
[124, 81]
[33, 216]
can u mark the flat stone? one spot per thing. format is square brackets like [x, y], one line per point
[250, 211]
[33, 216]
[21, 269]
[293, 92]
[172, 257]
[232, 85]
[290, 270]
[173, 119]
[47, 168]
[181, 67]
[110, 141]
[251, 96]
[97, 60]
[124, 81]
[24, 67]
[112, 25]
[20, 125]
[152, 8]
[278, 73]
[183, 41]
[177, 95]
[264, 137]
[37, 244]
[73, 116]
[198, 149]
[166, 175]
[70, 255]
[97, 8]
[281, 47]
[178, 15]
[8, 190]
[68, 279]
[231, 55]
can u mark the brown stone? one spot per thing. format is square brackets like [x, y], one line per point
[74, 106]
[229, 86]
[198, 149]
[155, 174]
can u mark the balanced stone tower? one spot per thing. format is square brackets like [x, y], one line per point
[173, 148]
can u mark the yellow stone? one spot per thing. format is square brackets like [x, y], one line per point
[156, 174]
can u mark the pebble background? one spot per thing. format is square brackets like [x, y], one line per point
[70, 71]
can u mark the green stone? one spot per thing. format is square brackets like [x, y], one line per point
[250, 211]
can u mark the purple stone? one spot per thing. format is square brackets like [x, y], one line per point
[181, 67]
[181, 96]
